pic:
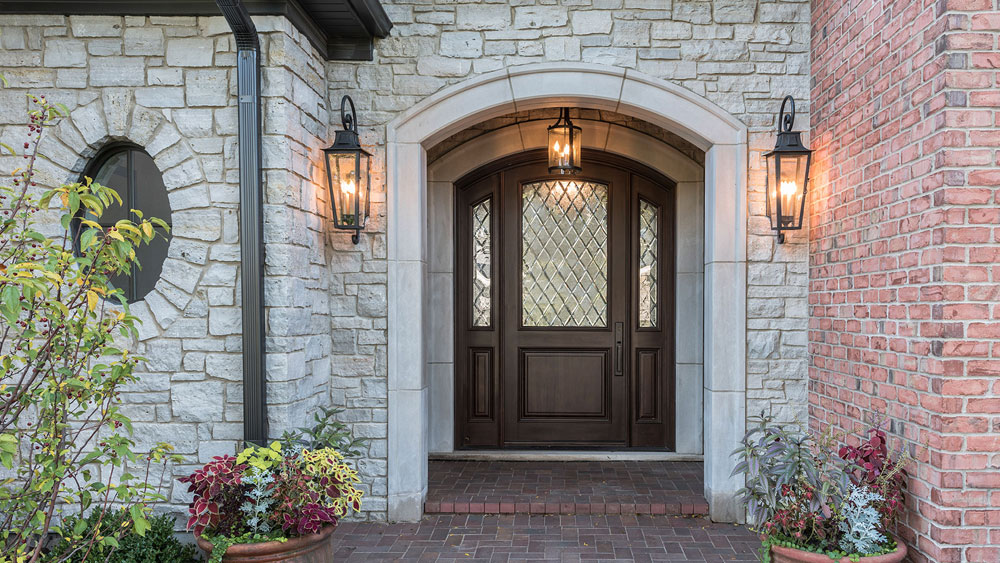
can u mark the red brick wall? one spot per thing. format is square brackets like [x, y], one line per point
[904, 256]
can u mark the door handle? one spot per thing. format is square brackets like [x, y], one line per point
[619, 361]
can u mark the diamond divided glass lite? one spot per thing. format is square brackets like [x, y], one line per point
[564, 254]
[482, 256]
[648, 265]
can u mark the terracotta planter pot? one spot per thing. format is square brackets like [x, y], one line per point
[314, 548]
[781, 554]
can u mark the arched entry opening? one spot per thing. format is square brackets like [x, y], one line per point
[411, 243]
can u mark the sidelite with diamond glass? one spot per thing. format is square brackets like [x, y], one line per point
[482, 256]
[648, 242]
[564, 234]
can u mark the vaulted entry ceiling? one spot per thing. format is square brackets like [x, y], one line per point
[338, 29]
[551, 114]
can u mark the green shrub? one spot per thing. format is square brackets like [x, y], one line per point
[159, 545]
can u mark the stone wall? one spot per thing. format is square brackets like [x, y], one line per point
[903, 253]
[169, 85]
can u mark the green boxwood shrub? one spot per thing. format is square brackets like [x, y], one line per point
[159, 545]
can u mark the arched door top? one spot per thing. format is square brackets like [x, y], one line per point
[525, 87]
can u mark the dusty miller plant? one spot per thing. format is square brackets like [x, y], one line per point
[258, 500]
[862, 524]
[65, 445]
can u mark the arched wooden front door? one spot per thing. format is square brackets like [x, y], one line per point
[564, 306]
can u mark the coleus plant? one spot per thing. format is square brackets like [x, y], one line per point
[303, 491]
[217, 488]
[875, 469]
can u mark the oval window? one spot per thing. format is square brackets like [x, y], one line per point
[133, 174]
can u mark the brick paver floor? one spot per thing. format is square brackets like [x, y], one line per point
[565, 487]
[524, 537]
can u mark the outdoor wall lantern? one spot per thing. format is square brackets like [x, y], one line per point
[348, 175]
[564, 145]
[787, 175]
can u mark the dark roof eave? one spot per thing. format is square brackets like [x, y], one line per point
[330, 43]
[372, 16]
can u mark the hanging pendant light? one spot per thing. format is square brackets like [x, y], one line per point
[564, 145]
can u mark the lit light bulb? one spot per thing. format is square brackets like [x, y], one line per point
[789, 191]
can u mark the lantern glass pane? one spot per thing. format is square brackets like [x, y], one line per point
[793, 180]
[363, 188]
[344, 185]
[559, 147]
[564, 148]
[772, 192]
[786, 180]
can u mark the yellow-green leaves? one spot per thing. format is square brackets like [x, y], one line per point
[8, 447]
[260, 457]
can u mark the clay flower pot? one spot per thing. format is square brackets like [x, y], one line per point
[781, 554]
[314, 548]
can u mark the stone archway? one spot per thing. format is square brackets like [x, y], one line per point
[723, 137]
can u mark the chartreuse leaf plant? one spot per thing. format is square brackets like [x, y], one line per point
[65, 444]
[270, 493]
[801, 494]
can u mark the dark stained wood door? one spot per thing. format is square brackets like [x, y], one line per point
[564, 306]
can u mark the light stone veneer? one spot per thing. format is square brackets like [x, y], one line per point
[328, 300]
[168, 84]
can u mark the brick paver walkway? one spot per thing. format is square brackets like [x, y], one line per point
[513, 538]
[560, 487]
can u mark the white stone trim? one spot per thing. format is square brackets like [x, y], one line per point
[114, 118]
[556, 84]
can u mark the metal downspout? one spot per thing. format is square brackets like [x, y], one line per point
[251, 219]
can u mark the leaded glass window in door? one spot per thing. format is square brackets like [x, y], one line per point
[482, 263]
[564, 254]
[648, 262]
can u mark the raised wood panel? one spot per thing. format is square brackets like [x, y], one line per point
[565, 383]
[648, 378]
[481, 386]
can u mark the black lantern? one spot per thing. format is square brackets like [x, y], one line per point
[787, 175]
[564, 145]
[347, 174]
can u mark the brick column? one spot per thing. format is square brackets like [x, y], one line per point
[903, 252]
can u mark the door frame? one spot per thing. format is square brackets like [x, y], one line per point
[665, 306]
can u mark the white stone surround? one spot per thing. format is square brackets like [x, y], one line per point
[724, 139]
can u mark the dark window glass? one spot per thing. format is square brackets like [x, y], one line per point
[133, 174]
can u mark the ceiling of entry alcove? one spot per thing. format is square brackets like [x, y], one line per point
[551, 114]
